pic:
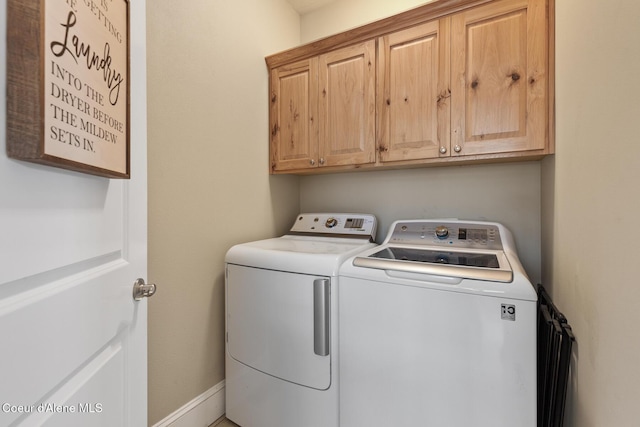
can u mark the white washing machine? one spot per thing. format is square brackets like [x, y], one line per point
[438, 328]
[281, 317]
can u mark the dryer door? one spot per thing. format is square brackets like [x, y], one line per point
[279, 323]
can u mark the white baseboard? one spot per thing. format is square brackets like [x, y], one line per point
[200, 412]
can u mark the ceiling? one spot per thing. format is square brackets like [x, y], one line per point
[306, 6]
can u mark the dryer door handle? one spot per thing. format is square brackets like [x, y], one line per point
[321, 316]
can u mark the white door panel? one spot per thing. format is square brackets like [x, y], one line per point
[104, 394]
[72, 339]
[76, 218]
[59, 328]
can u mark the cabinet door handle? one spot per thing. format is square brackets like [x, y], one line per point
[312, 162]
[321, 312]
[457, 149]
[443, 150]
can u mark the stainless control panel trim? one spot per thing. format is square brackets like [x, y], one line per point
[447, 233]
[336, 225]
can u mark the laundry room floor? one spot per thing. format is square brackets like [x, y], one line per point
[224, 422]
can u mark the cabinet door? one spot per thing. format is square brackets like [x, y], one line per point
[499, 73]
[413, 84]
[347, 105]
[293, 104]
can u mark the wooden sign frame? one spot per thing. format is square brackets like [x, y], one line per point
[68, 90]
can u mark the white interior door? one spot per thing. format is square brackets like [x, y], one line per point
[73, 340]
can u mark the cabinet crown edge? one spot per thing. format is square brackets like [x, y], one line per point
[427, 12]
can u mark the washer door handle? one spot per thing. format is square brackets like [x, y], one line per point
[321, 315]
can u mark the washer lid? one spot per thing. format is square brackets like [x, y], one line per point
[468, 264]
[448, 248]
[302, 254]
[316, 244]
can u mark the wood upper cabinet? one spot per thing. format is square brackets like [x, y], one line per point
[323, 110]
[499, 92]
[449, 81]
[292, 116]
[414, 91]
[347, 110]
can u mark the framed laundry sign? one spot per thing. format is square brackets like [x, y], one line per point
[68, 84]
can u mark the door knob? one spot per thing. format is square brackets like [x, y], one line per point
[143, 290]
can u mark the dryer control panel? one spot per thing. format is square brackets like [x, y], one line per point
[446, 233]
[336, 224]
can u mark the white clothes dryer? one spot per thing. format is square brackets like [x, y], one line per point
[438, 328]
[281, 318]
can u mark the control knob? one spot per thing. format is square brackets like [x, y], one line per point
[442, 232]
[331, 222]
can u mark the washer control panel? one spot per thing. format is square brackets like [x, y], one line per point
[446, 233]
[343, 224]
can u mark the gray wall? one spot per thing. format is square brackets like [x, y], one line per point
[506, 192]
